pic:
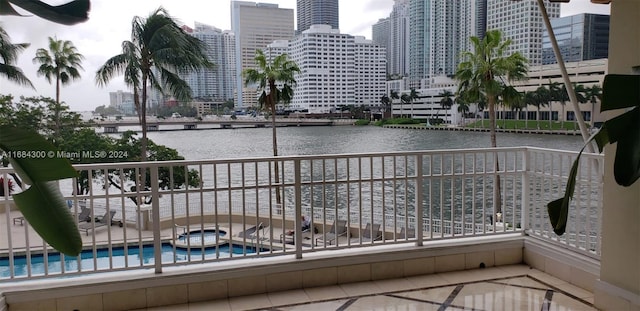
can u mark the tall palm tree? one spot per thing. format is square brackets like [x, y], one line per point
[275, 80]
[581, 96]
[8, 57]
[157, 52]
[593, 95]
[446, 102]
[512, 99]
[463, 108]
[404, 99]
[543, 96]
[558, 92]
[385, 102]
[413, 95]
[60, 62]
[482, 74]
[394, 95]
[531, 99]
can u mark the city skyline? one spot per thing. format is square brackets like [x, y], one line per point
[110, 22]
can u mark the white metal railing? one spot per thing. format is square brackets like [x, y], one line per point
[231, 210]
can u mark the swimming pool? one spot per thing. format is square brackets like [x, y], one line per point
[135, 256]
[198, 238]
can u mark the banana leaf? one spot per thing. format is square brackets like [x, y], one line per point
[43, 206]
[619, 92]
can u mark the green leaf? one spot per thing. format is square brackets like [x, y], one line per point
[36, 164]
[626, 167]
[71, 13]
[558, 210]
[46, 211]
[602, 137]
[42, 204]
[620, 91]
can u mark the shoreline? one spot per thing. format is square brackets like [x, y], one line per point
[468, 129]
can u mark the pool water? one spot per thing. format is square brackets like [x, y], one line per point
[135, 257]
[197, 238]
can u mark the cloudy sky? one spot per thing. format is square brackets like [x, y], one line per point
[110, 23]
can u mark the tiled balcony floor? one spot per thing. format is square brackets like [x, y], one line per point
[500, 288]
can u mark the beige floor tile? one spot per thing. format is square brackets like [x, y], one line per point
[515, 270]
[288, 297]
[218, 305]
[524, 282]
[382, 302]
[473, 275]
[543, 277]
[491, 296]
[438, 294]
[430, 280]
[249, 302]
[361, 288]
[325, 293]
[318, 306]
[563, 302]
[575, 290]
[394, 285]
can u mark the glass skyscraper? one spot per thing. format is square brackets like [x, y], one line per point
[317, 12]
[580, 37]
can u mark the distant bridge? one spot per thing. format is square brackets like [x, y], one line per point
[111, 126]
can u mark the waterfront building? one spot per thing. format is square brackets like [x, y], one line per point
[427, 106]
[587, 73]
[336, 70]
[317, 12]
[521, 21]
[117, 98]
[255, 26]
[216, 84]
[580, 37]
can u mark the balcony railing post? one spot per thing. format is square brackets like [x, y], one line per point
[298, 208]
[155, 208]
[419, 203]
[524, 217]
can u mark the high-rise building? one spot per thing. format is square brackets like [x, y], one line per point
[393, 33]
[123, 101]
[473, 22]
[317, 12]
[255, 26]
[434, 32]
[336, 70]
[580, 37]
[521, 21]
[217, 84]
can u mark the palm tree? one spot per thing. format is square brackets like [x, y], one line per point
[543, 99]
[269, 75]
[558, 92]
[413, 95]
[581, 96]
[60, 62]
[531, 99]
[512, 99]
[394, 95]
[446, 102]
[593, 95]
[385, 102]
[8, 57]
[157, 52]
[463, 107]
[404, 99]
[481, 74]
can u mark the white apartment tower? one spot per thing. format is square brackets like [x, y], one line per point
[335, 70]
[217, 84]
[370, 72]
[255, 26]
[521, 21]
